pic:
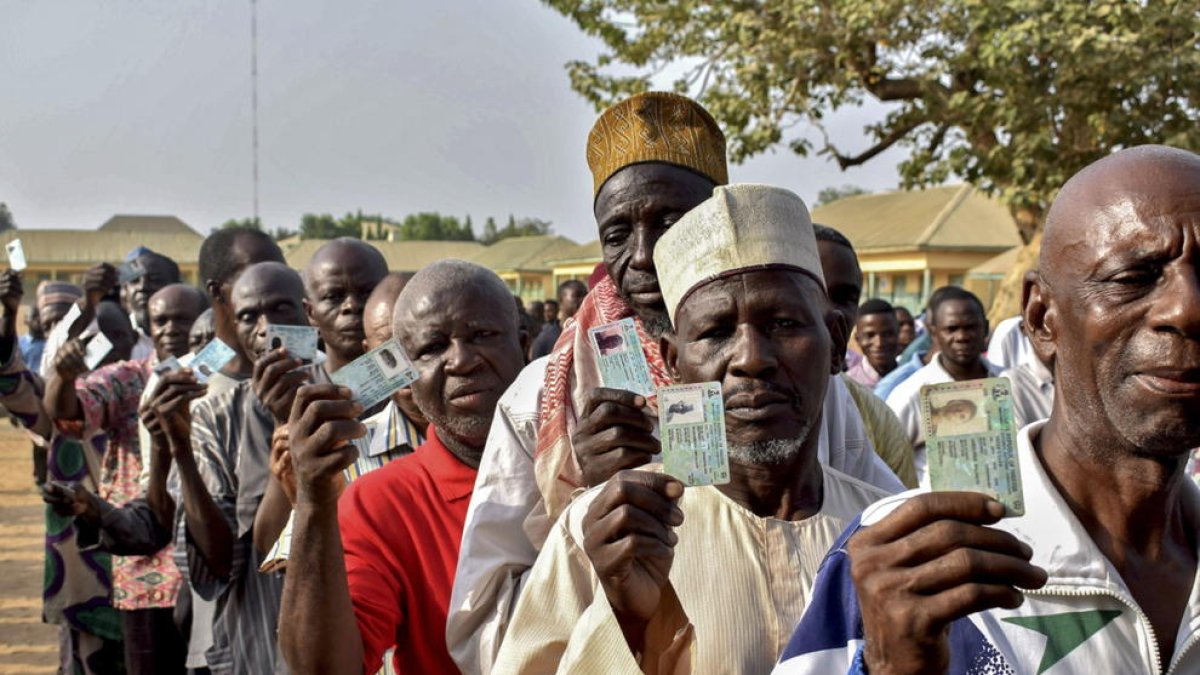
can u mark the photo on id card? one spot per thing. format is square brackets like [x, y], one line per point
[692, 430]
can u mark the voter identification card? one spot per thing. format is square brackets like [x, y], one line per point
[375, 375]
[210, 360]
[971, 439]
[129, 271]
[620, 358]
[691, 420]
[299, 341]
[97, 348]
[169, 365]
[16, 255]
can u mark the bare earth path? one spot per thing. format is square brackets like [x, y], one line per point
[26, 644]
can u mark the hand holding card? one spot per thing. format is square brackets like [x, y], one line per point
[377, 374]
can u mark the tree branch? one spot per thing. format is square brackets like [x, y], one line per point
[892, 137]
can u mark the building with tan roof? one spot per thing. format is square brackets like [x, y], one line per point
[64, 255]
[910, 243]
[401, 256]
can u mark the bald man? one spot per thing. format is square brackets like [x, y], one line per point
[222, 451]
[337, 282]
[933, 583]
[127, 516]
[351, 593]
[393, 432]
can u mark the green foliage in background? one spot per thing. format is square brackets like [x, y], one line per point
[1013, 96]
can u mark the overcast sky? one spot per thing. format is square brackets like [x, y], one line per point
[457, 106]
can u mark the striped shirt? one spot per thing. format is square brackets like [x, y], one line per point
[231, 439]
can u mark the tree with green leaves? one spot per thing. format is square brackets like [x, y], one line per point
[1013, 96]
[832, 194]
[524, 227]
[6, 218]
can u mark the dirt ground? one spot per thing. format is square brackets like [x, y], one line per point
[26, 644]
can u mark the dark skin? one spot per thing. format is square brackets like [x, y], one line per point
[265, 293]
[172, 310]
[907, 327]
[1116, 309]
[246, 251]
[62, 402]
[340, 278]
[33, 324]
[60, 398]
[878, 338]
[960, 331]
[550, 311]
[467, 354]
[843, 278]
[758, 333]
[156, 274]
[633, 209]
[570, 298]
[11, 291]
[270, 293]
[377, 323]
[201, 333]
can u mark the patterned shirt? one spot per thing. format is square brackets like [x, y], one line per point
[110, 397]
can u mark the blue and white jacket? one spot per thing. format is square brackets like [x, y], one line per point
[1084, 621]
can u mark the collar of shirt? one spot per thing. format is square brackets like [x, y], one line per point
[454, 479]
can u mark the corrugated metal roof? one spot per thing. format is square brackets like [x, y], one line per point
[955, 217]
[401, 256]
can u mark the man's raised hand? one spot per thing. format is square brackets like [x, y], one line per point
[614, 433]
[323, 422]
[628, 533]
[928, 563]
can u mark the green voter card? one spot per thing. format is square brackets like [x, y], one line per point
[971, 439]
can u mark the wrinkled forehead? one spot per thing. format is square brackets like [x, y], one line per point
[756, 291]
[1143, 210]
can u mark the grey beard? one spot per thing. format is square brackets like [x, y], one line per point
[765, 453]
[465, 426]
[657, 326]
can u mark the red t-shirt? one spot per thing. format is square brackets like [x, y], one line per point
[401, 529]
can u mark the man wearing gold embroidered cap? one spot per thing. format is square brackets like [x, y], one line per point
[641, 575]
[654, 157]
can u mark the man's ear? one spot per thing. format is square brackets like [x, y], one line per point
[1039, 317]
[308, 311]
[213, 288]
[670, 353]
[839, 336]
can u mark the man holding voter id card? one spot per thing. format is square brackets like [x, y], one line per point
[705, 569]
[371, 571]
[1091, 565]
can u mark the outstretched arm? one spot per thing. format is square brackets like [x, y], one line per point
[318, 630]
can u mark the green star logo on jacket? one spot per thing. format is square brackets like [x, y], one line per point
[1064, 632]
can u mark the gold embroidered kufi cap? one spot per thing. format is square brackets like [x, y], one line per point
[656, 127]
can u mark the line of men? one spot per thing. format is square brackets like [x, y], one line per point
[499, 516]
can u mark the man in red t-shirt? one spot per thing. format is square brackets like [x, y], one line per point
[373, 570]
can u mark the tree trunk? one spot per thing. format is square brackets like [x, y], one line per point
[1008, 297]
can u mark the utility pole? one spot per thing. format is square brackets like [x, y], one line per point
[254, 98]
